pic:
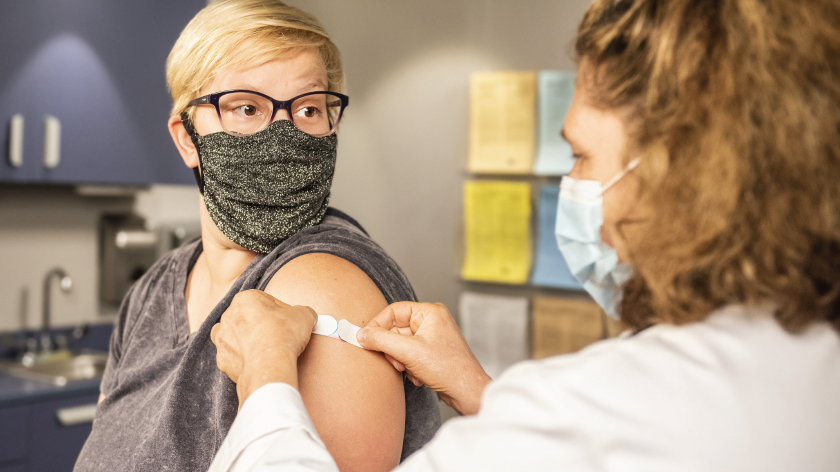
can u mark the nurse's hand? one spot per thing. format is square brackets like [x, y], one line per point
[259, 340]
[423, 340]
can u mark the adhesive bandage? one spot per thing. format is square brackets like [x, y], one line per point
[347, 332]
[343, 330]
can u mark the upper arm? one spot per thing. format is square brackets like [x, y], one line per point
[355, 397]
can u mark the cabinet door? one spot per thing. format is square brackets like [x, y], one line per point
[14, 426]
[53, 446]
[17, 89]
[98, 67]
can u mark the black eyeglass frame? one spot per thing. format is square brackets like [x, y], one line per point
[213, 99]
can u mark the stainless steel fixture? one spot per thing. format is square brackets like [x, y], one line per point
[58, 368]
[129, 247]
[65, 283]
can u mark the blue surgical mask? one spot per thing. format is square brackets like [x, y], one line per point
[594, 263]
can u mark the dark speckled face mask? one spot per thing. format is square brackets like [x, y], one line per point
[262, 188]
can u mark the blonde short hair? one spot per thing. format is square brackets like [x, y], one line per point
[236, 34]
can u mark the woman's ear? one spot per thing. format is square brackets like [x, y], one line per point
[183, 141]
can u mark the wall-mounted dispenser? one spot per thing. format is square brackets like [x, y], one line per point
[128, 248]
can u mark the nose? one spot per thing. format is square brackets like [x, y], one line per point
[281, 114]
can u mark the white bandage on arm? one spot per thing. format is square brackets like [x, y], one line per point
[347, 332]
[343, 330]
[326, 326]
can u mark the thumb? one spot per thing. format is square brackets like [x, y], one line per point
[394, 344]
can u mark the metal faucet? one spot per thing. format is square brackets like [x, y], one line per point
[66, 283]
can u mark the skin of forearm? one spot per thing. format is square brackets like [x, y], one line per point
[468, 402]
[272, 366]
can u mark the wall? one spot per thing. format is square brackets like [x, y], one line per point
[403, 144]
[42, 227]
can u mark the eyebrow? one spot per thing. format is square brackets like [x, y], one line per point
[314, 85]
[310, 87]
[243, 86]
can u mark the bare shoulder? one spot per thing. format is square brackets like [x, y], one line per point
[330, 285]
[355, 397]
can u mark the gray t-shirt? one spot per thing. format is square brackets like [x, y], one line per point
[167, 406]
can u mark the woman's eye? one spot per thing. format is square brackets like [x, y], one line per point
[246, 110]
[308, 112]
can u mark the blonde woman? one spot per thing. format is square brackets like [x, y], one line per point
[708, 142]
[257, 89]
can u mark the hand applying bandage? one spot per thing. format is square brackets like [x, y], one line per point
[423, 340]
[259, 340]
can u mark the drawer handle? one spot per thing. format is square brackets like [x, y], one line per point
[52, 142]
[76, 415]
[16, 141]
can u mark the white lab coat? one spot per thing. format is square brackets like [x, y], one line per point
[733, 393]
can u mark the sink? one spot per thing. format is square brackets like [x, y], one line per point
[59, 369]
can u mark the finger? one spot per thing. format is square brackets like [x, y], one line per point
[397, 346]
[276, 301]
[385, 319]
[426, 310]
[399, 315]
[397, 364]
[215, 332]
[252, 295]
[306, 311]
[225, 366]
[414, 380]
[257, 297]
[405, 331]
[223, 362]
[396, 315]
[220, 361]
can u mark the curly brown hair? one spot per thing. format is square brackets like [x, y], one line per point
[734, 106]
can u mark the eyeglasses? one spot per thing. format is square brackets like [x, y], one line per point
[245, 112]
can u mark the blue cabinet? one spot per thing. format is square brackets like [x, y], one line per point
[14, 422]
[98, 68]
[34, 439]
[42, 426]
[54, 446]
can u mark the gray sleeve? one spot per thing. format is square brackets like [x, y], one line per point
[130, 309]
[352, 247]
[109, 377]
[422, 417]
